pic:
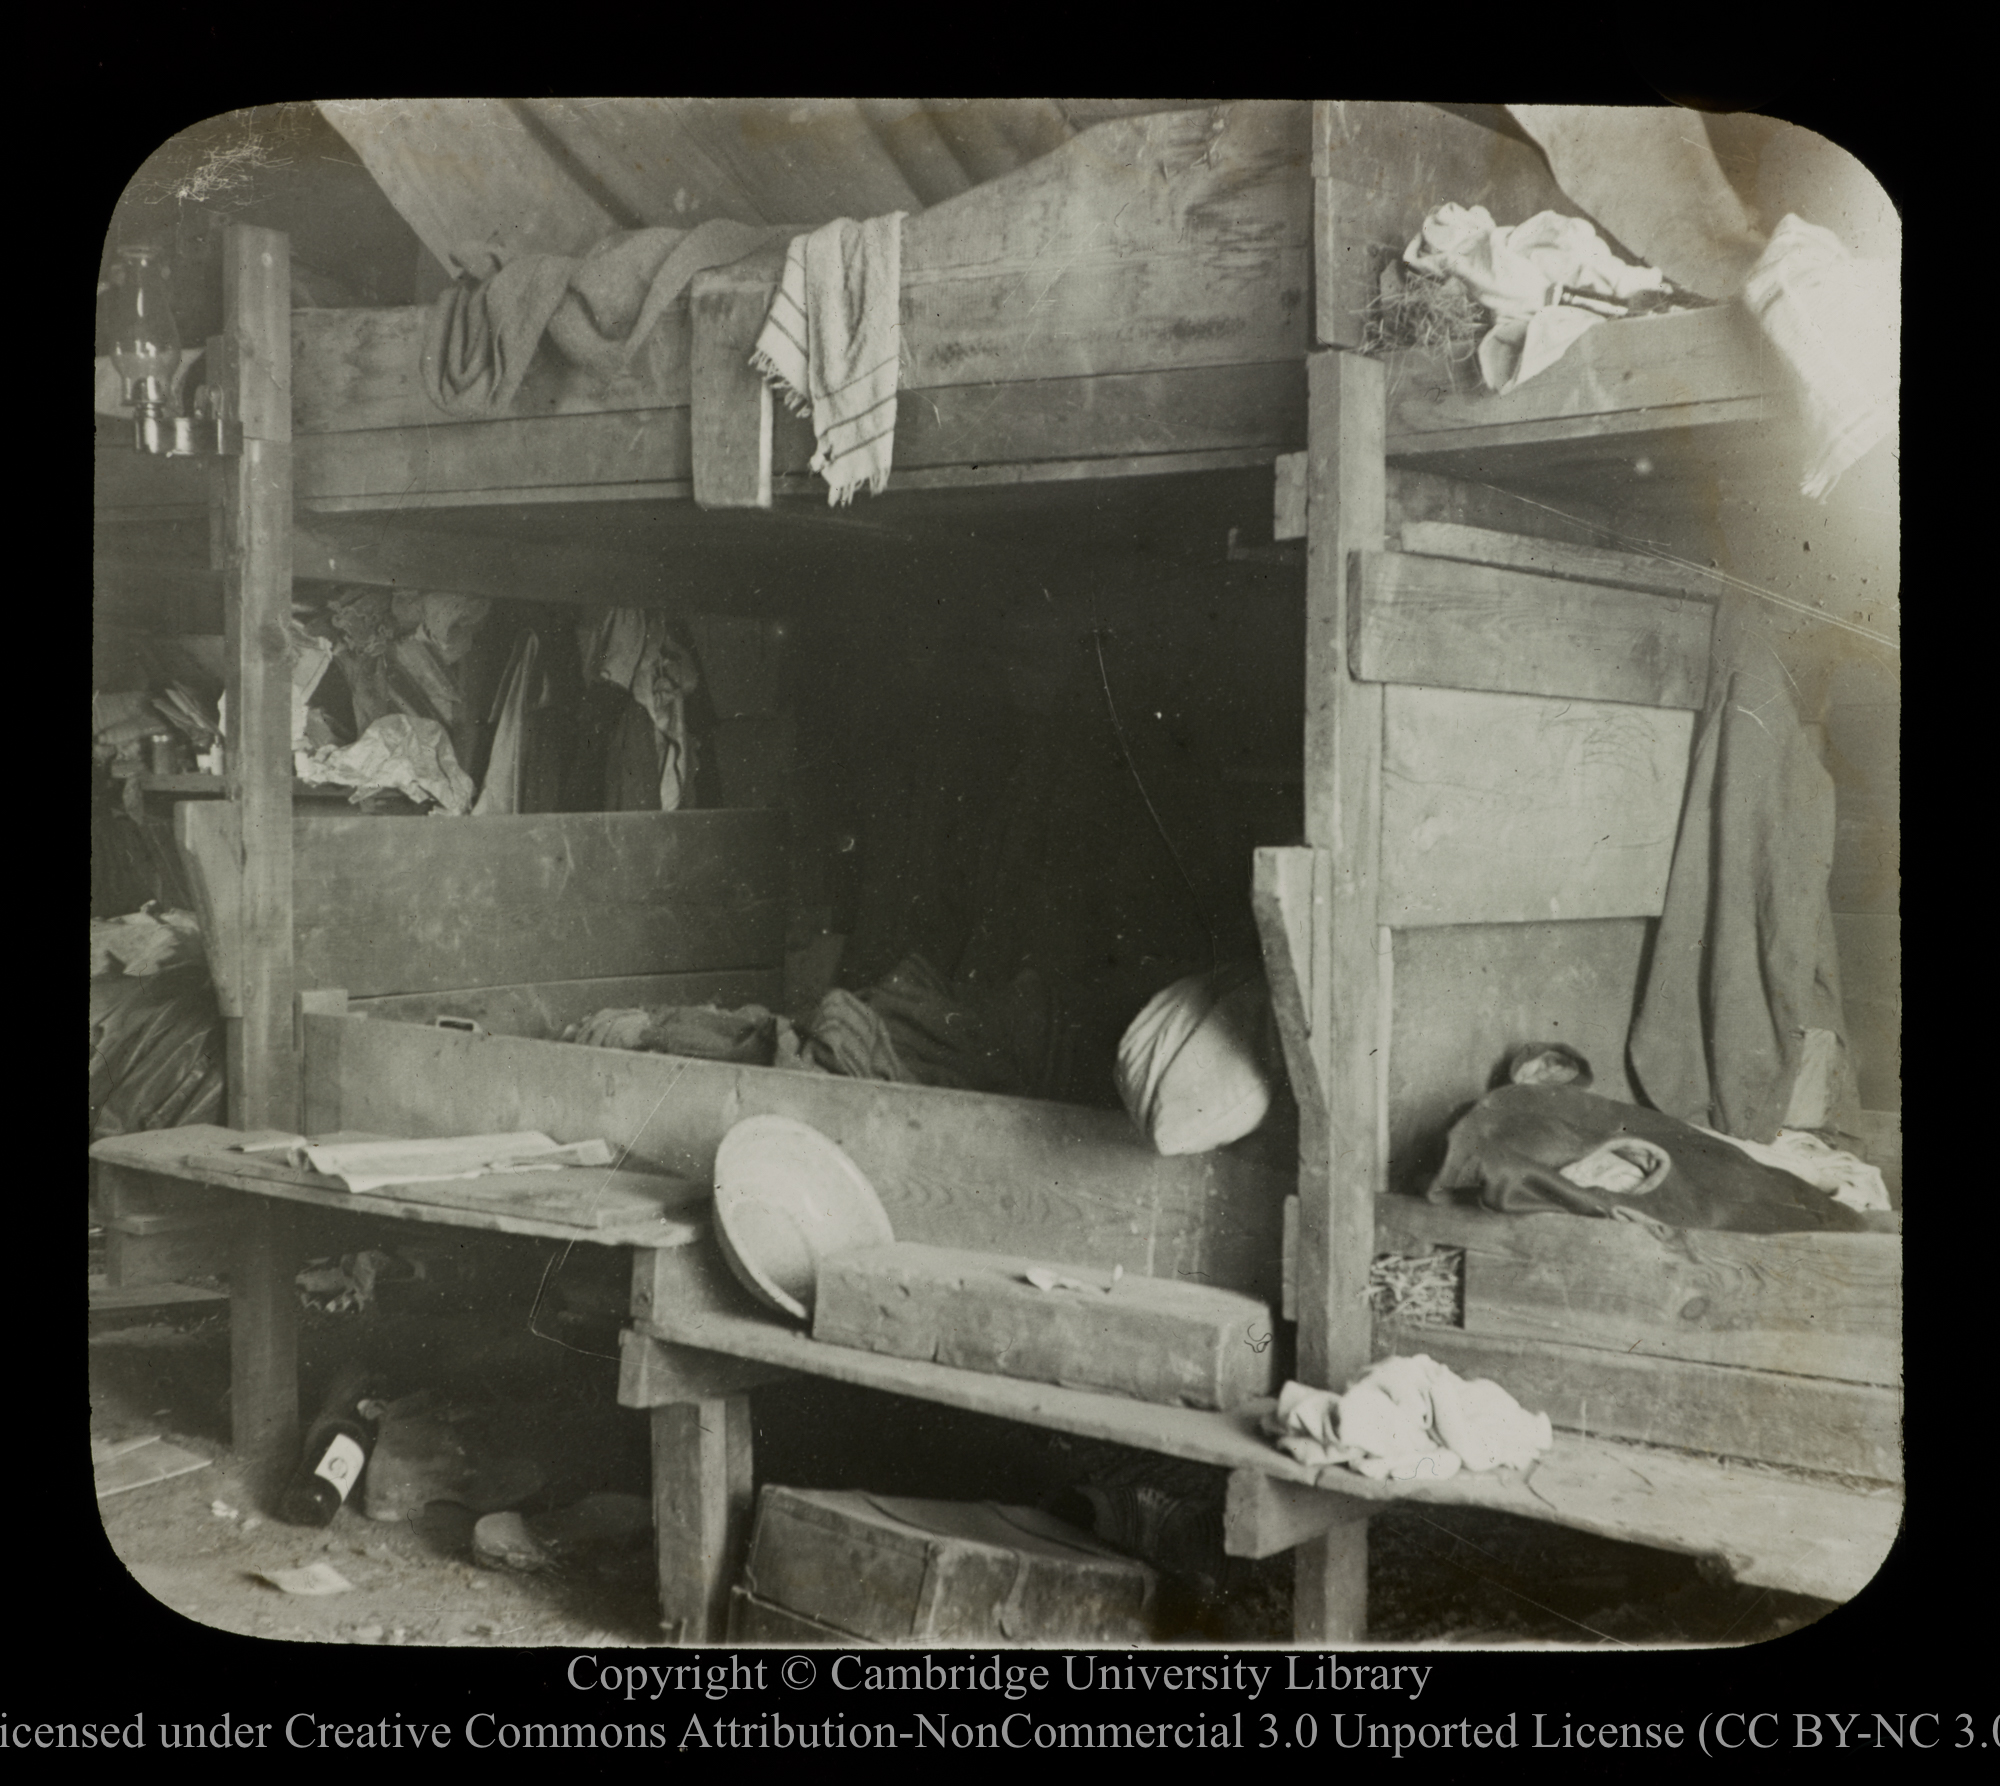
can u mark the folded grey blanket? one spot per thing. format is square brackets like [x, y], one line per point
[481, 337]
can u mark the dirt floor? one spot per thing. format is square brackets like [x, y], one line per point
[200, 1542]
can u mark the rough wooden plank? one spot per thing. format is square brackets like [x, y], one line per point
[701, 1511]
[651, 1373]
[1468, 995]
[1418, 498]
[109, 1298]
[1677, 443]
[198, 1154]
[1381, 165]
[385, 905]
[1288, 501]
[437, 459]
[1447, 624]
[1681, 361]
[1554, 558]
[1504, 808]
[953, 1168]
[543, 1009]
[1340, 1168]
[362, 369]
[1179, 238]
[1286, 886]
[1262, 1515]
[1810, 1423]
[755, 1621]
[1198, 409]
[732, 414]
[137, 1253]
[1810, 1305]
[253, 497]
[394, 555]
[1154, 1339]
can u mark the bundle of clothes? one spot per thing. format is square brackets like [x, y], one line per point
[156, 1033]
[911, 1027]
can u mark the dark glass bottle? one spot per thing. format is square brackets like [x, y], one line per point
[335, 1453]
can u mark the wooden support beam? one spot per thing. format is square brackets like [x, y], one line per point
[1263, 1515]
[732, 421]
[252, 495]
[1287, 891]
[653, 1373]
[1341, 1170]
[701, 1511]
[263, 1334]
[1445, 623]
[1553, 558]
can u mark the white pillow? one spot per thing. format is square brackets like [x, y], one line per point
[1195, 1069]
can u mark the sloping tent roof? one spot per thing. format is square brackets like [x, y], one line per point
[476, 177]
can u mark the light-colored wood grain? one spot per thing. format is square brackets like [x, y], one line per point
[1263, 1515]
[1340, 1167]
[1808, 1305]
[1555, 558]
[701, 1511]
[1812, 1423]
[1679, 361]
[1504, 808]
[652, 1373]
[198, 1154]
[1448, 624]
[952, 1168]
[1286, 886]
[1151, 1338]
[1468, 995]
[732, 418]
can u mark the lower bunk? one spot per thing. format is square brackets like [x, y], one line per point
[1728, 1396]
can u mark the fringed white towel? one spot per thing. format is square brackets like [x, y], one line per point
[831, 345]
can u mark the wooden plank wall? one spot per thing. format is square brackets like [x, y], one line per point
[398, 905]
[953, 1168]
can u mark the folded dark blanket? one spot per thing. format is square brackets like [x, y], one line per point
[1508, 1151]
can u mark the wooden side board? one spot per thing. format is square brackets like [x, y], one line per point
[952, 1168]
[543, 1009]
[1501, 808]
[1809, 1305]
[1450, 624]
[407, 906]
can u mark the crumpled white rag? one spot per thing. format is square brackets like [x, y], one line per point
[1409, 1419]
[1518, 273]
[398, 753]
[1843, 1176]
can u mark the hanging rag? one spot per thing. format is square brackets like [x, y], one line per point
[637, 650]
[517, 696]
[1520, 274]
[1743, 966]
[831, 345]
[1408, 1419]
[596, 311]
[1837, 322]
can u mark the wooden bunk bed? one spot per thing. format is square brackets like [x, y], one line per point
[1176, 294]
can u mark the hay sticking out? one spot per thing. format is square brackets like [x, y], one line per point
[1420, 310]
[1419, 1289]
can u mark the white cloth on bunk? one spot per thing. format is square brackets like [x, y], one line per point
[1843, 1176]
[1519, 273]
[1837, 322]
[832, 342]
[1407, 1419]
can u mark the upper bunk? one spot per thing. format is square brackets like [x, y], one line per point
[1140, 302]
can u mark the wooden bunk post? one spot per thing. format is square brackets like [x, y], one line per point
[251, 523]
